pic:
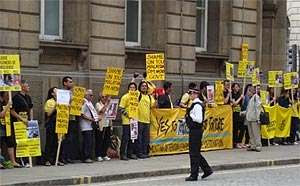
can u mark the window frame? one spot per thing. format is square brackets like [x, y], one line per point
[43, 36]
[131, 43]
[201, 49]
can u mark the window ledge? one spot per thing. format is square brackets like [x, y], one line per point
[63, 44]
[211, 55]
[142, 50]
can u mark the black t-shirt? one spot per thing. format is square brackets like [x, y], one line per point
[22, 105]
[225, 94]
[164, 101]
[283, 101]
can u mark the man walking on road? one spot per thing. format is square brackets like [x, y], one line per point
[194, 120]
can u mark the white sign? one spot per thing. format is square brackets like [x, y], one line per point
[63, 97]
[133, 130]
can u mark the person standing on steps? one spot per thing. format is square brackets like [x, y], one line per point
[194, 120]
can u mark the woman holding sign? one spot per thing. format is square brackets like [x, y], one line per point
[51, 136]
[127, 146]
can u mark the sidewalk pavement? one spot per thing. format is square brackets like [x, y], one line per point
[155, 166]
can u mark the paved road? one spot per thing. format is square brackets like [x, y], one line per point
[265, 176]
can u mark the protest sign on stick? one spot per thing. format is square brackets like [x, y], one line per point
[77, 101]
[155, 66]
[113, 81]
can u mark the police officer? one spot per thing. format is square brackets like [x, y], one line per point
[194, 120]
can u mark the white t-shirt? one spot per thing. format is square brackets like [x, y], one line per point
[85, 125]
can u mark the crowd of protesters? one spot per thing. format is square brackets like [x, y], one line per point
[95, 129]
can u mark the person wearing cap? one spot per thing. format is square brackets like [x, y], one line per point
[194, 119]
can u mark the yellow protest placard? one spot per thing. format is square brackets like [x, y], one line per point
[295, 79]
[62, 119]
[275, 78]
[155, 66]
[22, 148]
[20, 130]
[256, 77]
[133, 104]
[77, 101]
[113, 81]
[250, 68]
[244, 52]
[34, 147]
[242, 68]
[264, 95]
[229, 72]
[219, 92]
[287, 81]
[9, 64]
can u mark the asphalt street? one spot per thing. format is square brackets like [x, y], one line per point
[264, 176]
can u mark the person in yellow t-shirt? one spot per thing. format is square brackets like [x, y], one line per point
[146, 102]
[127, 146]
[51, 136]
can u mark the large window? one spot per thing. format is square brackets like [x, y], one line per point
[133, 22]
[201, 25]
[51, 19]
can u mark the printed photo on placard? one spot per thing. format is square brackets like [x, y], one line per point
[33, 129]
[112, 110]
[182, 128]
[10, 82]
[210, 93]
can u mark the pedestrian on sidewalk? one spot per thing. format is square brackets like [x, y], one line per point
[252, 119]
[50, 124]
[194, 119]
[128, 148]
[87, 119]
[103, 130]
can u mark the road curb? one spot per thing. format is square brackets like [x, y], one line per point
[118, 177]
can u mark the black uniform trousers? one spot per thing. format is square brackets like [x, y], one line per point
[127, 146]
[196, 159]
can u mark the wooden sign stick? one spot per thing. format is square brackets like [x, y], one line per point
[58, 147]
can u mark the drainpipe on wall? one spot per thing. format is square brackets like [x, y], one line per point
[180, 49]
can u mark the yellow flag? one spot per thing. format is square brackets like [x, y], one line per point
[244, 53]
[287, 80]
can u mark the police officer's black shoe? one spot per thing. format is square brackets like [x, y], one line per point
[206, 174]
[190, 178]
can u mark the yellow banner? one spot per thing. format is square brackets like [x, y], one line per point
[283, 123]
[77, 101]
[113, 81]
[155, 66]
[275, 78]
[268, 131]
[62, 119]
[217, 128]
[133, 104]
[295, 79]
[219, 92]
[287, 81]
[229, 72]
[9, 64]
[169, 132]
[256, 77]
[244, 53]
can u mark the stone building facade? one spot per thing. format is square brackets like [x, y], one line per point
[81, 38]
